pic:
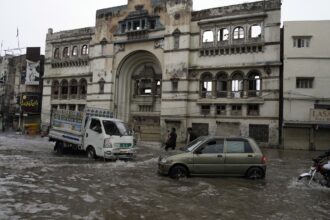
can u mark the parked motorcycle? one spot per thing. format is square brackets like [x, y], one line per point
[321, 165]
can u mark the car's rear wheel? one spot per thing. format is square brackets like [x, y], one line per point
[178, 172]
[255, 173]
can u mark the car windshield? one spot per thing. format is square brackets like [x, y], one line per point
[123, 128]
[192, 145]
[116, 128]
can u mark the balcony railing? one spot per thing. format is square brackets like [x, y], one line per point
[69, 96]
[237, 95]
[254, 93]
[206, 94]
[222, 94]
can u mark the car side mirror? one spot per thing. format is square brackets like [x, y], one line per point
[199, 151]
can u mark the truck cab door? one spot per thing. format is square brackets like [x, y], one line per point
[94, 136]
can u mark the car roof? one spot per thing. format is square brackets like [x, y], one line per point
[226, 137]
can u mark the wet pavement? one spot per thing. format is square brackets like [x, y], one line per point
[35, 183]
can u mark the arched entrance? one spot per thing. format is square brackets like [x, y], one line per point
[138, 94]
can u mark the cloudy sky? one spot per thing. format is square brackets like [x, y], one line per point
[34, 17]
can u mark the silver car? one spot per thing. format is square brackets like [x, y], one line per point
[227, 156]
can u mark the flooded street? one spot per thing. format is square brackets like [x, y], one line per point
[37, 184]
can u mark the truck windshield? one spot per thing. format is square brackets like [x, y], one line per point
[115, 128]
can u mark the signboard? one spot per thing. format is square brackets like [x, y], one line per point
[320, 115]
[32, 73]
[30, 103]
[65, 119]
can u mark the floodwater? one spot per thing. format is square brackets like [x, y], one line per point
[37, 184]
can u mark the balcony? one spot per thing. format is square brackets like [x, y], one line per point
[222, 94]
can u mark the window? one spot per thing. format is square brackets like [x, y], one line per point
[101, 86]
[72, 107]
[54, 107]
[208, 36]
[63, 107]
[254, 84]
[95, 125]
[237, 85]
[158, 87]
[206, 85]
[57, 53]
[223, 34]
[73, 89]
[145, 108]
[145, 86]
[81, 108]
[301, 42]
[175, 85]
[136, 25]
[64, 89]
[304, 82]
[238, 146]
[82, 88]
[176, 41]
[55, 89]
[152, 24]
[123, 28]
[221, 109]
[222, 85]
[239, 33]
[66, 52]
[75, 51]
[255, 31]
[213, 147]
[111, 128]
[236, 110]
[206, 109]
[253, 110]
[84, 50]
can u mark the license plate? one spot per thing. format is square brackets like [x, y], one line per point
[125, 145]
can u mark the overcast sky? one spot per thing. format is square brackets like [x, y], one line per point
[34, 17]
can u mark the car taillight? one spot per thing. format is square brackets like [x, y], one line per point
[263, 160]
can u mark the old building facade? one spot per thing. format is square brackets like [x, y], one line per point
[21, 90]
[306, 85]
[159, 64]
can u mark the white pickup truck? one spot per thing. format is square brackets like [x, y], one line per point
[94, 131]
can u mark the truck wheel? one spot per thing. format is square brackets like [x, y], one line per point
[59, 148]
[91, 153]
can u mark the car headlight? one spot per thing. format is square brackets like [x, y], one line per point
[163, 160]
[107, 143]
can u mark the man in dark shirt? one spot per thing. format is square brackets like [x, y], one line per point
[192, 135]
[171, 141]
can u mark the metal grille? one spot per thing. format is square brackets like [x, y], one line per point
[260, 133]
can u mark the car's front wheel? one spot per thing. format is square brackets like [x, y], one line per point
[255, 173]
[178, 172]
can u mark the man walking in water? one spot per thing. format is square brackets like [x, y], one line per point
[171, 141]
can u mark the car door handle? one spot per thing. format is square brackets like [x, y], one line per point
[250, 155]
[86, 134]
[220, 156]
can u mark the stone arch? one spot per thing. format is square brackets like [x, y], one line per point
[128, 67]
